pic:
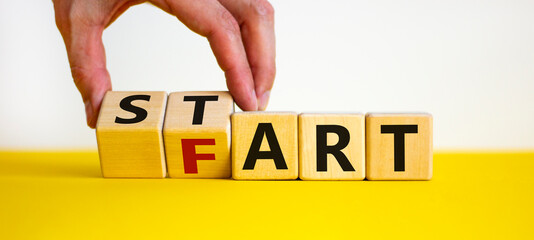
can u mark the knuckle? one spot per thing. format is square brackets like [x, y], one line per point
[262, 8]
[229, 23]
[80, 77]
[88, 80]
[84, 76]
[79, 74]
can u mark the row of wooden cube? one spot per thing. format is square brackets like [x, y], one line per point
[197, 135]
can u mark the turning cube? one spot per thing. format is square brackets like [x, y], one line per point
[399, 146]
[264, 145]
[129, 134]
[197, 134]
[331, 146]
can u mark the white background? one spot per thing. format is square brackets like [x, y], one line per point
[469, 63]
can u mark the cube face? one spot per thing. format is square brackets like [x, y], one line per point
[399, 146]
[128, 131]
[331, 146]
[264, 146]
[197, 134]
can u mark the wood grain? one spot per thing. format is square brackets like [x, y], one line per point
[380, 155]
[179, 126]
[244, 127]
[354, 150]
[131, 150]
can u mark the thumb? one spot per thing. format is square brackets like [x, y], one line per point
[87, 60]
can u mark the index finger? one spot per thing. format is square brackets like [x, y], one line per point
[256, 18]
[212, 20]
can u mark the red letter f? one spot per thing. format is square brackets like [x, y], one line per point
[190, 155]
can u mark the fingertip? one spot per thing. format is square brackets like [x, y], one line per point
[89, 114]
[247, 102]
[240, 84]
[94, 103]
[254, 100]
[263, 100]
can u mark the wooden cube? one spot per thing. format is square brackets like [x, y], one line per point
[331, 146]
[128, 132]
[399, 146]
[197, 134]
[264, 145]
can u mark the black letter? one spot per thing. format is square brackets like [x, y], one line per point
[323, 149]
[126, 104]
[398, 142]
[200, 103]
[254, 152]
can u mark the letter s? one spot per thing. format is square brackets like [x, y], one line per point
[140, 113]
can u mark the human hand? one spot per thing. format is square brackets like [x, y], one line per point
[240, 33]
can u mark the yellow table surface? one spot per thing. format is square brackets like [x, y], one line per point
[60, 195]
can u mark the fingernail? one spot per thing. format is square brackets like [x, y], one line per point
[89, 113]
[264, 100]
[252, 98]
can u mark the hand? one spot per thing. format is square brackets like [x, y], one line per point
[240, 33]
